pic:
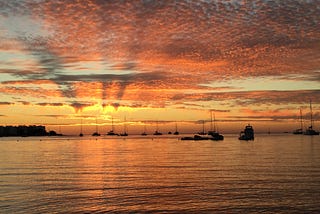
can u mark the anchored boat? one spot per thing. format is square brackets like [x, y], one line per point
[247, 133]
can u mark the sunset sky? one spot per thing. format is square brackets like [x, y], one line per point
[161, 62]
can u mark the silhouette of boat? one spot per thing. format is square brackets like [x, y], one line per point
[157, 132]
[81, 135]
[300, 130]
[187, 138]
[144, 133]
[125, 133]
[310, 130]
[176, 132]
[198, 137]
[202, 132]
[96, 133]
[215, 135]
[212, 135]
[247, 134]
[111, 132]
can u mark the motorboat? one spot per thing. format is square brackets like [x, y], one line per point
[247, 133]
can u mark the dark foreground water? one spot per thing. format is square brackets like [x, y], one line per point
[273, 174]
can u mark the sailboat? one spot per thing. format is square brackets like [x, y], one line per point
[310, 130]
[203, 132]
[81, 135]
[96, 133]
[144, 133]
[111, 132]
[300, 130]
[176, 132]
[157, 132]
[124, 128]
[212, 134]
[215, 135]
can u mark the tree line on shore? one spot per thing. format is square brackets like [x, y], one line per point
[25, 131]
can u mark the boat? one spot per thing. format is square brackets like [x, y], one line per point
[199, 137]
[247, 133]
[96, 133]
[125, 133]
[202, 132]
[111, 132]
[216, 136]
[187, 138]
[213, 133]
[81, 134]
[300, 130]
[144, 133]
[157, 132]
[176, 132]
[310, 130]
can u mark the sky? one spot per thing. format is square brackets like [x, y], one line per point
[149, 63]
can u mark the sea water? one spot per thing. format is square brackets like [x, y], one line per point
[272, 174]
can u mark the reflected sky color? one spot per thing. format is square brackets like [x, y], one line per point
[164, 61]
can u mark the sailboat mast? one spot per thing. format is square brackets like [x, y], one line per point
[300, 118]
[203, 126]
[211, 120]
[214, 122]
[96, 125]
[81, 127]
[111, 123]
[311, 119]
[157, 126]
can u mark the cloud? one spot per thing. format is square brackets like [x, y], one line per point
[50, 104]
[159, 53]
[52, 116]
[6, 103]
[29, 91]
[273, 115]
[247, 98]
[26, 103]
[79, 106]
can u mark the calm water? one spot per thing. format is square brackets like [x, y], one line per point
[275, 173]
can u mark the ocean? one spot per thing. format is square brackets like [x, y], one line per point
[272, 174]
